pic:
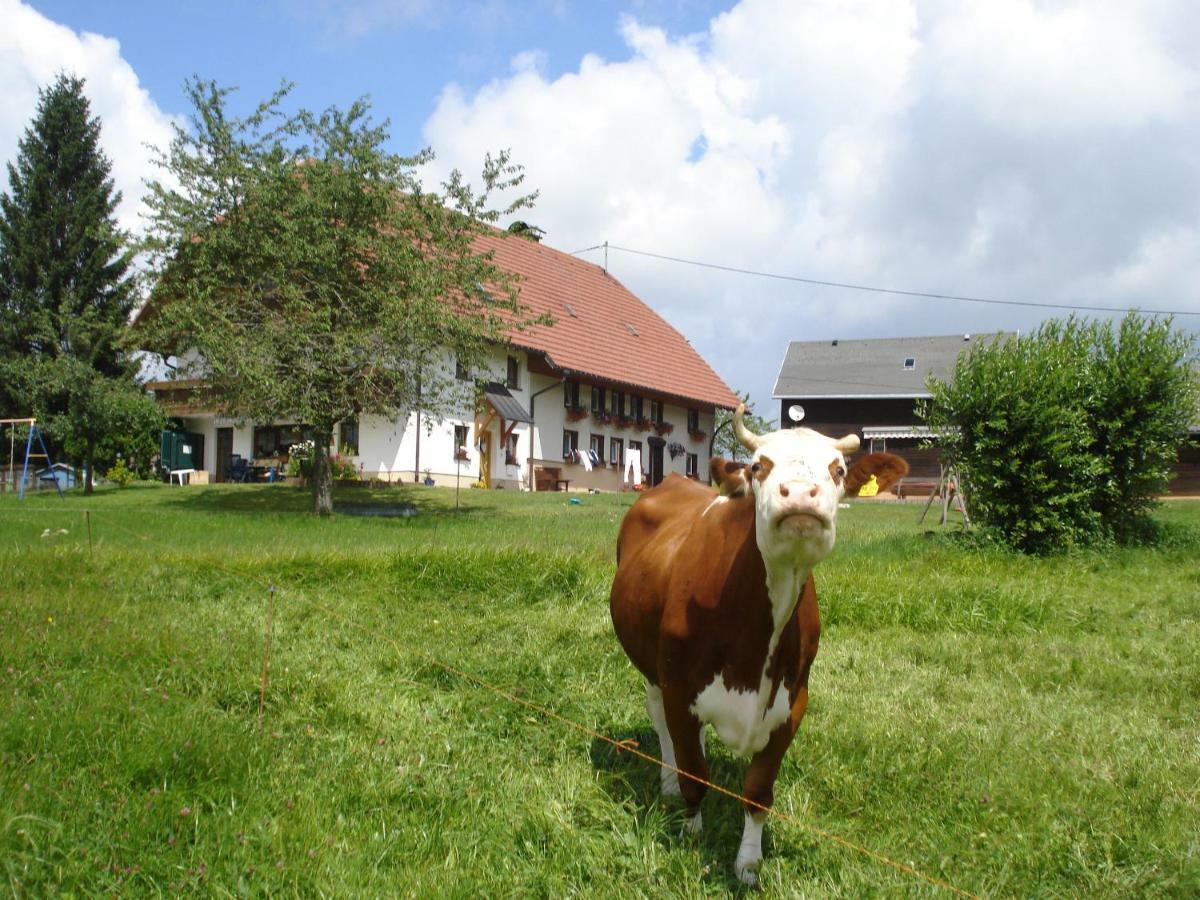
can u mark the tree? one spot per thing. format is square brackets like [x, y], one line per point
[725, 443]
[1066, 436]
[104, 419]
[311, 273]
[66, 290]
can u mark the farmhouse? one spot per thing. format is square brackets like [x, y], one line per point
[607, 395]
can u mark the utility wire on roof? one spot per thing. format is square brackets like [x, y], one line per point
[880, 290]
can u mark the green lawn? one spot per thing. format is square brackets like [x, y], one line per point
[1014, 726]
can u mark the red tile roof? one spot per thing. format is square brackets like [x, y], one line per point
[601, 329]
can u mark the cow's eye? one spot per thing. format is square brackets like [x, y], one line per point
[756, 468]
[841, 471]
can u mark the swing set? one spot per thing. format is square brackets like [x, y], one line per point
[33, 432]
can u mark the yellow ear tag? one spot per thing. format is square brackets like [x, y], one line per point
[870, 489]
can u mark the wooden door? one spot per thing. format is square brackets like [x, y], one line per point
[485, 459]
[656, 462]
[224, 452]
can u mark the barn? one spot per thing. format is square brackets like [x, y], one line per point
[870, 388]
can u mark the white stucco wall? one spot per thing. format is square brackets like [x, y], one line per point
[388, 448]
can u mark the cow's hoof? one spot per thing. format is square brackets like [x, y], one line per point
[747, 872]
[694, 824]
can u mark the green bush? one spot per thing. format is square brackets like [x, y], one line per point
[1065, 436]
[121, 475]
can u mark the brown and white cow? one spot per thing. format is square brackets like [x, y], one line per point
[714, 602]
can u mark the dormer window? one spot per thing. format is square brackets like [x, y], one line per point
[910, 362]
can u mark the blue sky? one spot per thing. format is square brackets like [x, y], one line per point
[400, 54]
[1036, 150]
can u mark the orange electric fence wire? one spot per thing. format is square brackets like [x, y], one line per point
[620, 746]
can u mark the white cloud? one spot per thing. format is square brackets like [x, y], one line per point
[34, 50]
[1045, 151]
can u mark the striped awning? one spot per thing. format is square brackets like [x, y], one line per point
[899, 432]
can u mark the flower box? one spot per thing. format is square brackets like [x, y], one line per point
[664, 427]
[697, 435]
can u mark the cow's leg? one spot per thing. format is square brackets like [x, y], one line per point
[687, 736]
[759, 787]
[668, 780]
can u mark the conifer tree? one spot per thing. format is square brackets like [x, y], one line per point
[64, 266]
[66, 290]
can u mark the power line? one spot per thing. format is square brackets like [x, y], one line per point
[879, 290]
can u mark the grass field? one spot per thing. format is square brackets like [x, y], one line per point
[1014, 726]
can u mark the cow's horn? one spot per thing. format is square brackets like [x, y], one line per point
[748, 438]
[848, 444]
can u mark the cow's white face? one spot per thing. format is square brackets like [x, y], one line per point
[798, 478]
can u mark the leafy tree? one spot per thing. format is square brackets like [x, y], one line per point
[312, 275]
[66, 290]
[1065, 436]
[104, 419]
[724, 442]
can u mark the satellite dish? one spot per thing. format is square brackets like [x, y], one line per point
[795, 412]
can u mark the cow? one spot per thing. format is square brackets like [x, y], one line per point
[714, 603]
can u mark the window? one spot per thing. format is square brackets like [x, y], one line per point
[510, 451]
[618, 403]
[571, 394]
[597, 399]
[276, 440]
[636, 408]
[656, 411]
[692, 465]
[514, 373]
[596, 446]
[910, 362]
[460, 441]
[348, 437]
[693, 420]
[570, 443]
[616, 452]
[460, 371]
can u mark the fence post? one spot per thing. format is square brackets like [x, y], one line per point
[266, 657]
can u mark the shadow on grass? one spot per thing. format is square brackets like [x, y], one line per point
[633, 783]
[286, 499]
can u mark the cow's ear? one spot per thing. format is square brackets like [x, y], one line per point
[886, 467]
[729, 477]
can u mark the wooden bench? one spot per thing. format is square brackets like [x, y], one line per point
[549, 478]
[907, 487]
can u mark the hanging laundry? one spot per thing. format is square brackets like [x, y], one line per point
[633, 469]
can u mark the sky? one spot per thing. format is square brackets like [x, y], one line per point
[1042, 152]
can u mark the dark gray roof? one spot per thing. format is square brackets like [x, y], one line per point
[506, 404]
[870, 368]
